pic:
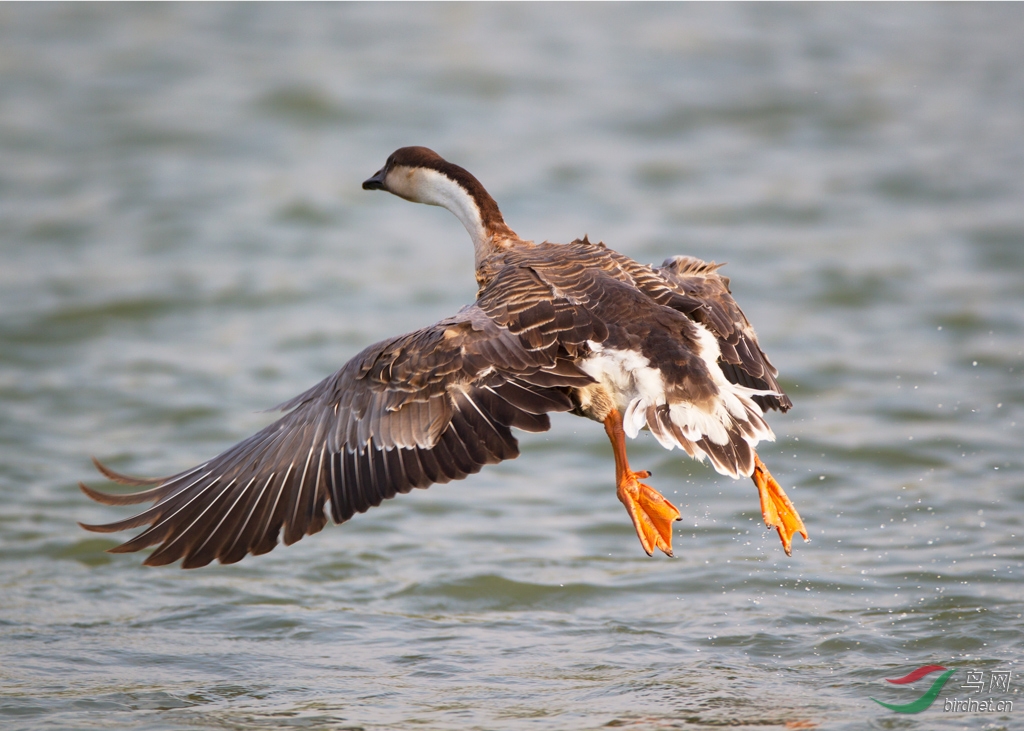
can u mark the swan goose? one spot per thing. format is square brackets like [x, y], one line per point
[556, 327]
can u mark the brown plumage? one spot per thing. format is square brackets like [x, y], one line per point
[574, 327]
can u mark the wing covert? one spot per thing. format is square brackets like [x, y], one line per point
[696, 288]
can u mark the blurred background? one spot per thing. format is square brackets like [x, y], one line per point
[184, 243]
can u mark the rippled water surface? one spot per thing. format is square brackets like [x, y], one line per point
[184, 243]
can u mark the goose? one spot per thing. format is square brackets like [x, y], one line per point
[571, 327]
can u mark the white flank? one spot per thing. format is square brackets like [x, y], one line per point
[734, 402]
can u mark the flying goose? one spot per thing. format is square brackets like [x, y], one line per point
[556, 327]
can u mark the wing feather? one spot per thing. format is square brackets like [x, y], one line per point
[696, 288]
[428, 407]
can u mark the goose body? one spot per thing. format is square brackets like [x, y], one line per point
[571, 327]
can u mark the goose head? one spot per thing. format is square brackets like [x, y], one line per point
[420, 175]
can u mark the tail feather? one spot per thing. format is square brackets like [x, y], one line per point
[726, 439]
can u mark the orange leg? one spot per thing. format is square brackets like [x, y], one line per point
[652, 515]
[776, 507]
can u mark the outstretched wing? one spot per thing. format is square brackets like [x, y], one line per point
[696, 288]
[427, 407]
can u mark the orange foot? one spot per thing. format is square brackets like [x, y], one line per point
[776, 507]
[651, 513]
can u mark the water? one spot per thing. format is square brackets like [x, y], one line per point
[184, 243]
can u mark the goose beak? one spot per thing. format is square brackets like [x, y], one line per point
[377, 181]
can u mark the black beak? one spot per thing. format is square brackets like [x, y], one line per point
[377, 181]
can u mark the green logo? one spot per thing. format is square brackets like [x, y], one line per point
[929, 695]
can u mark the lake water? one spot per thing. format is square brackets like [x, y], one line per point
[184, 243]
